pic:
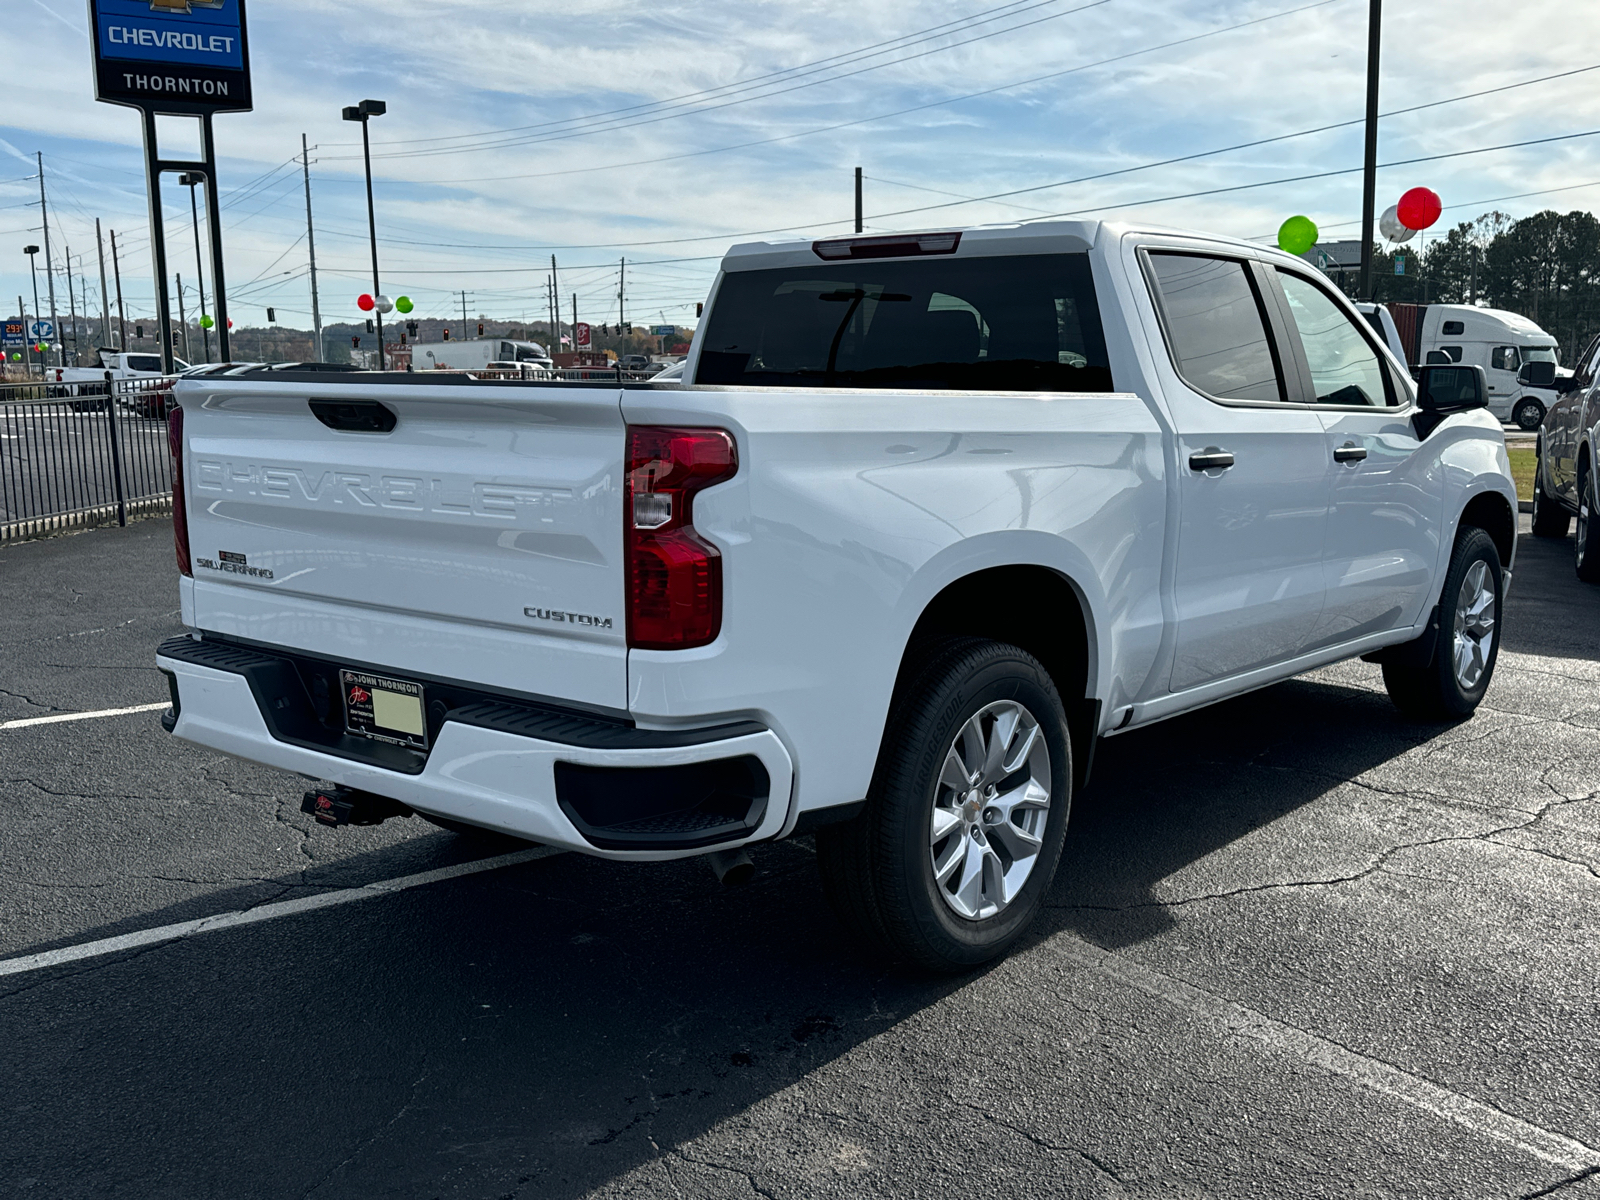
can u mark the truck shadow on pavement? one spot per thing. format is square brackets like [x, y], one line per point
[550, 1028]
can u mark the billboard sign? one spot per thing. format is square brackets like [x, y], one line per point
[663, 330]
[41, 331]
[12, 336]
[171, 56]
[585, 335]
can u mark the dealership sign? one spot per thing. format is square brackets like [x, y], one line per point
[171, 56]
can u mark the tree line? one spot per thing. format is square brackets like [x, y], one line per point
[1545, 267]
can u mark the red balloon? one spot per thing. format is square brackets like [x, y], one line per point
[365, 303]
[1419, 208]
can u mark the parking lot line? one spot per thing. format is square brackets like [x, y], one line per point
[81, 716]
[265, 912]
[1483, 1119]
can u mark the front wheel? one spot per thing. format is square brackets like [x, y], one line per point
[1586, 553]
[1466, 643]
[1550, 520]
[958, 844]
[1529, 415]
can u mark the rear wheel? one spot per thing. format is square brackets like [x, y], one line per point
[1586, 552]
[963, 827]
[1550, 520]
[1528, 415]
[1467, 641]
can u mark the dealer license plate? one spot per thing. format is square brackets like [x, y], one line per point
[387, 710]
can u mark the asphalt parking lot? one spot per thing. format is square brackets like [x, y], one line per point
[1298, 947]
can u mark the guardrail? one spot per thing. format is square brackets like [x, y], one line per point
[76, 455]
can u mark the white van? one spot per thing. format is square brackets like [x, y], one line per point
[1499, 342]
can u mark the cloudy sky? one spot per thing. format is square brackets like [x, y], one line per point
[664, 132]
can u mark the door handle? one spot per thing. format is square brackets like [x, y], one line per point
[1211, 458]
[1349, 452]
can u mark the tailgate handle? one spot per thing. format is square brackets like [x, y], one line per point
[353, 416]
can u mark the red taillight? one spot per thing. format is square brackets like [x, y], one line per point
[180, 519]
[674, 575]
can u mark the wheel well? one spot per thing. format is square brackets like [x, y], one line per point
[1031, 607]
[1490, 513]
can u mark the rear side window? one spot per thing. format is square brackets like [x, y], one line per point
[1007, 323]
[143, 362]
[1216, 328]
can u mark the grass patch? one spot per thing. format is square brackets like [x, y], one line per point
[1522, 460]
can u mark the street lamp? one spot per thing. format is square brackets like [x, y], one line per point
[361, 112]
[33, 268]
[189, 179]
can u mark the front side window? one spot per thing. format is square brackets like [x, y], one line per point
[1345, 369]
[1215, 326]
[1453, 353]
[1004, 323]
[1504, 358]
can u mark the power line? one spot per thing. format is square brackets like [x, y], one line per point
[652, 119]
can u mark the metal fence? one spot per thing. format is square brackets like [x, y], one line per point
[74, 455]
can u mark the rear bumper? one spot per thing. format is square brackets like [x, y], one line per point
[638, 801]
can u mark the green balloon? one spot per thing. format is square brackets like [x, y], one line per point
[1297, 235]
[403, 304]
[206, 322]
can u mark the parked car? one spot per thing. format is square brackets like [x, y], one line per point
[1564, 477]
[929, 515]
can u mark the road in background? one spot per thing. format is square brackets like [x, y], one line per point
[1297, 947]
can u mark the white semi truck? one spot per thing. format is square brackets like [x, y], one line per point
[476, 354]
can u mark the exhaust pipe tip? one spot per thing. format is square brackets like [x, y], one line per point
[731, 867]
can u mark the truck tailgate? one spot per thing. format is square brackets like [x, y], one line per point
[479, 539]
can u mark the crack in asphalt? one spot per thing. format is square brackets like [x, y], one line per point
[31, 701]
[1586, 1173]
[378, 1133]
[1054, 1147]
[1378, 864]
[747, 1176]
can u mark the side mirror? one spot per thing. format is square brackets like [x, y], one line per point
[1537, 374]
[1457, 388]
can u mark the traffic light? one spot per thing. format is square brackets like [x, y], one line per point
[176, 334]
[480, 328]
[411, 328]
[355, 341]
[369, 327]
[447, 334]
[138, 331]
[402, 339]
[271, 316]
[699, 308]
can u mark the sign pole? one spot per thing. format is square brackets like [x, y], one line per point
[219, 289]
[158, 239]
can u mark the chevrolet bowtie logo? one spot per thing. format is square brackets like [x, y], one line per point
[182, 6]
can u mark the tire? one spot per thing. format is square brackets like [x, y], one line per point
[1586, 543]
[1457, 675]
[1001, 839]
[1550, 519]
[1528, 415]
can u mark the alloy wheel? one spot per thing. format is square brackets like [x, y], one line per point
[990, 811]
[1474, 625]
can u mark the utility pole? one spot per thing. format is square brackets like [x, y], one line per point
[72, 310]
[49, 271]
[622, 288]
[463, 312]
[1369, 168]
[183, 321]
[105, 295]
[311, 245]
[574, 322]
[550, 311]
[122, 319]
[858, 189]
[555, 304]
[27, 342]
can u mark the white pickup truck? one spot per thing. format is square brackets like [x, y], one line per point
[935, 513]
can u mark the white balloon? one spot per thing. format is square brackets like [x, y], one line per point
[1389, 225]
[383, 304]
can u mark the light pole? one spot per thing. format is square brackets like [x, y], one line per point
[361, 112]
[33, 269]
[189, 179]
